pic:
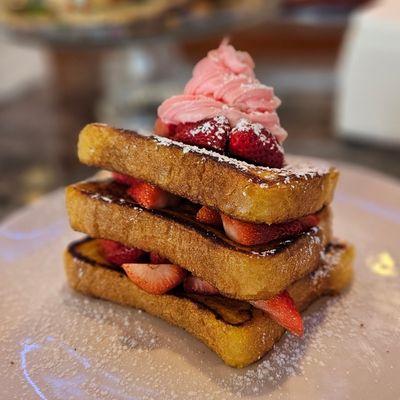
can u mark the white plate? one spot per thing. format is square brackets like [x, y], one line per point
[56, 344]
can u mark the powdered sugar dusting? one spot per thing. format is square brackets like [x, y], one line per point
[244, 125]
[303, 168]
[292, 356]
[98, 196]
[216, 128]
[349, 351]
[271, 252]
[113, 199]
[328, 261]
[297, 167]
[187, 148]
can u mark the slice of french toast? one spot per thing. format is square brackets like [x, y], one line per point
[104, 210]
[237, 332]
[241, 190]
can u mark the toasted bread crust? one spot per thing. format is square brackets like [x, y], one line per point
[238, 345]
[238, 272]
[241, 190]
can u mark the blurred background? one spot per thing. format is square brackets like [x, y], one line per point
[335, 64]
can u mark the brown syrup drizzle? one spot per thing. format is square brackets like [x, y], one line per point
[230, 311]
[112, 192]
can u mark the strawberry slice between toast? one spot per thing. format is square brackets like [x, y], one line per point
[124, 179]
[155, 278]
[281, 309]
[193, 284]
[116, 253]
[151, 197]
[208, 216]
[155, 258]
[251, 234]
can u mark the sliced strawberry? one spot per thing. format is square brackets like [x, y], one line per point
[118, 254]
[251, 234]
[309, 221]
[157, 259]
[209, 133]
[282, 309]
[150, 196]
[208, 216]
[124, 179]
[155, 279]
[163, 129]
[252, 142]
[193, 284]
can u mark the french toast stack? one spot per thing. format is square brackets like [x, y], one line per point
[207, 224]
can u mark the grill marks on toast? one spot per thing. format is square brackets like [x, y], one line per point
[256, 174]
[109, 191]
[236, 188]
[238, 342]
[232, 312]
[76, 253]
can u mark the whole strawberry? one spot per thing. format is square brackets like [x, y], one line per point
[209, 133]
[163, 129]
[252, 142]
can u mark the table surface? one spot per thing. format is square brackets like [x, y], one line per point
[56, 344]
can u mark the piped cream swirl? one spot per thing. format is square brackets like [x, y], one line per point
[223, 83]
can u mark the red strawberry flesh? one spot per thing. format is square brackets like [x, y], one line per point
[251, 234]
[155, 278]
[252, 142]
[282, 310]
[209, 133]
[163, 129]
[157, 259]
[124, 179]
[193, 284]
[151, 197]
[118, 254]
[208, 216]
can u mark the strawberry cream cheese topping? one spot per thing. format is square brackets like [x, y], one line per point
[224, 84]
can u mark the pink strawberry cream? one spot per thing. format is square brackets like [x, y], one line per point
[224, 83]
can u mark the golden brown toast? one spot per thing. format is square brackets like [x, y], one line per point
[241, 190]
[237, 332]
[104, 210]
